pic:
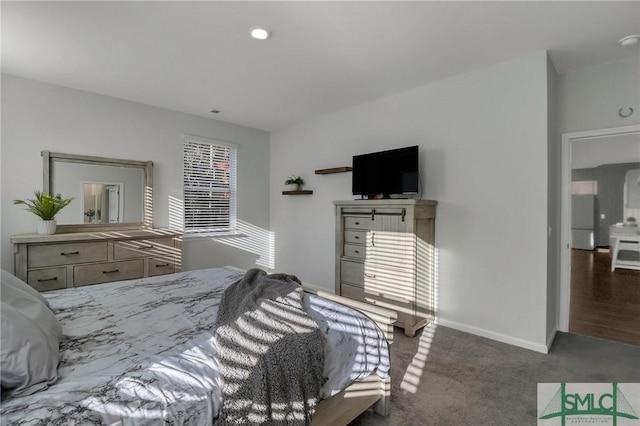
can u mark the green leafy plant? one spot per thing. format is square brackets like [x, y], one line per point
[294, 180]
[45, 206]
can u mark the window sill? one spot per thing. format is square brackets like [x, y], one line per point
[213, 235]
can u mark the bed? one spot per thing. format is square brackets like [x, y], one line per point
[143, 352]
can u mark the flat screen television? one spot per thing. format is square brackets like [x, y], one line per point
[386, 173]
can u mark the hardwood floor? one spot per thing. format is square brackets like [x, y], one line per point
[604, 304]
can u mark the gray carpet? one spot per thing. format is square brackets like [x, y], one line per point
[448, 377]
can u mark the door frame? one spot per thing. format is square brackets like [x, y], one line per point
[565, 211]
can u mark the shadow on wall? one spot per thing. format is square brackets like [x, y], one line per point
[249, 238]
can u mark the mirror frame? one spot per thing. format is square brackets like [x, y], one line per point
[50, 158]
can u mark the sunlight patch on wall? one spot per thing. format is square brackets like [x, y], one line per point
[248, 237]
[148, 206]
[176, 213]
[255, 240]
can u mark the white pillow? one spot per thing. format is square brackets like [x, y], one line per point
[10, 280]
[29, 343]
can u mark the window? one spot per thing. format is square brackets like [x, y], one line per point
[209, 186]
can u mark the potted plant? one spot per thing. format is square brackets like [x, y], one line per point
[295, 180]
[46, 207]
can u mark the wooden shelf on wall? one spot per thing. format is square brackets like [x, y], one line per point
[334, 170]
[300, 192]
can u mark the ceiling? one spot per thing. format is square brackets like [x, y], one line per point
[322, 57]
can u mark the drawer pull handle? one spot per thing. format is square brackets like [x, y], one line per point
[366, 299]
[69, 253]
[145, 247]
[357, 237]
[162, 265]
[42, 280]
[113, 271]
[369, 275]
[357, 251]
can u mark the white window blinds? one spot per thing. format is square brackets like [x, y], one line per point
[209, 187]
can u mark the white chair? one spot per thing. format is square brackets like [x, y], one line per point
[626, 243]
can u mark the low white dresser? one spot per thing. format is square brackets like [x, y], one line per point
[386, 256]
[51, 262]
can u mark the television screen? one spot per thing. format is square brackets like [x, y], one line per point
[386, 172]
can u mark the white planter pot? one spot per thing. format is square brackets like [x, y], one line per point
[46, 227]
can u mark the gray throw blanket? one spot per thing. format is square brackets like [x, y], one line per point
[270, 350]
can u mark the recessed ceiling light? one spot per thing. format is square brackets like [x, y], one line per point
[631, 40]
[260, 33]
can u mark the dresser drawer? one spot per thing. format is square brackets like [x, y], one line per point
[159, 266]
[351, 250]
[355, 237]
[404, 309]
[384, 279]
[66, 254]
[352, 272]
[352, 292]
[48, 279]
[107, 272]
[131, 249]
[359, 222]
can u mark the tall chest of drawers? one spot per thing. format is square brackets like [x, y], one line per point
[386, 256]
[51, 262]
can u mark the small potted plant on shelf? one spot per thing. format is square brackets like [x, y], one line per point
[46, 207]
[296, 181]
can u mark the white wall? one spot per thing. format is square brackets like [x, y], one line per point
[589, 98]
[38, 116]
[483, 142]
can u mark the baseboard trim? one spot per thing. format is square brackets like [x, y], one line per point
[317, 287]
[496, 336]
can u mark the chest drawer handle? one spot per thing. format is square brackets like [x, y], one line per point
[69, 253]
[162, 265]
[357, 237]
[366, 299]
[113, 271]
[357, 251]
[42, 280]
[357, 223]
[145, 247]
[369, 275]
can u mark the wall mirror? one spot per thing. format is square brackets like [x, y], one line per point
[108, 193]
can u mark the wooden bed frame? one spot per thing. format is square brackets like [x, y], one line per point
[358, 397]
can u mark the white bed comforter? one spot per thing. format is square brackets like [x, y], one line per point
[142, 352]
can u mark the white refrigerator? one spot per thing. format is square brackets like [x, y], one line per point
[583, 221]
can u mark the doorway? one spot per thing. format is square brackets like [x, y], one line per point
[567, 251]
[102, 202]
